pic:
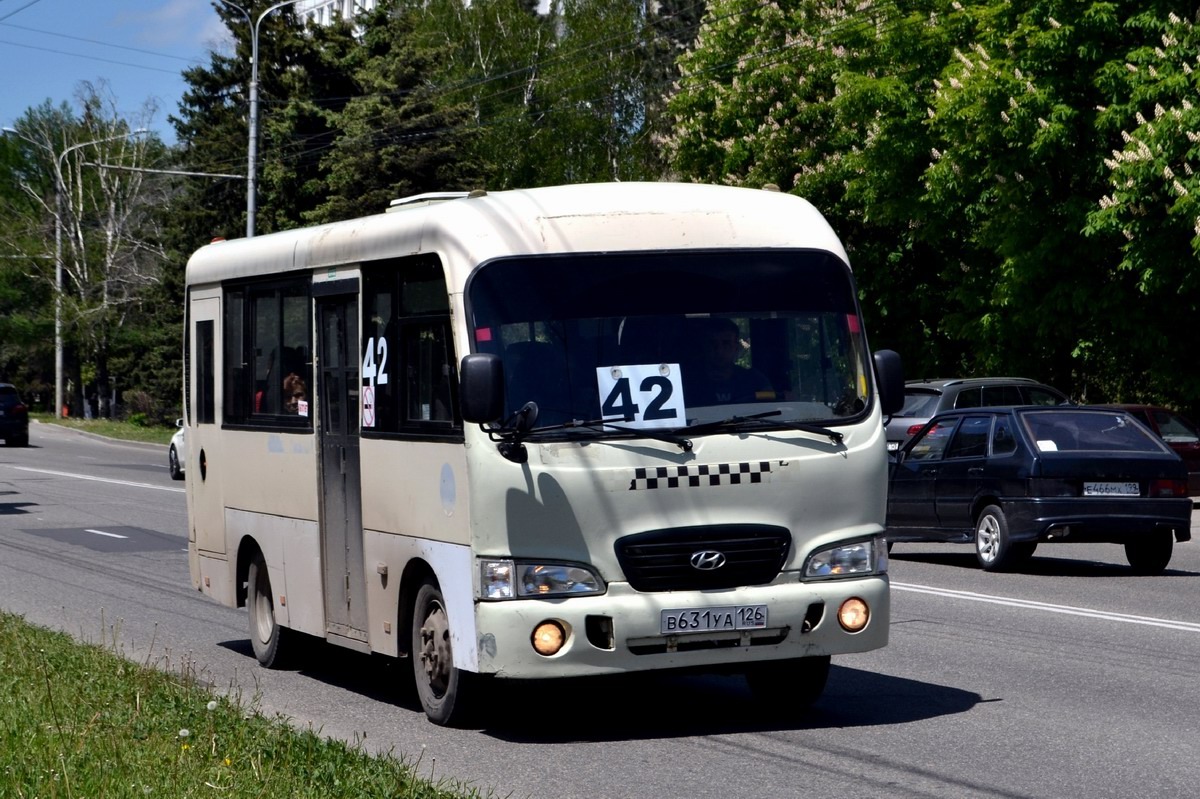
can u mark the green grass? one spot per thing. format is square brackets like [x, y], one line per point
[125, 431]
[79, 720]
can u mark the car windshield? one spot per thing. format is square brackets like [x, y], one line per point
[919, 403]
[1175, 429]
[668, 340]
[1088, 431]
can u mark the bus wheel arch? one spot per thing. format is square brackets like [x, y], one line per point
[445, 692]
[274, 645]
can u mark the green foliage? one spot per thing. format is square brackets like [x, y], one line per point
[964, 150]
[395, 137]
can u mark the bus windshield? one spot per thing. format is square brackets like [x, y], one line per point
[675, 339]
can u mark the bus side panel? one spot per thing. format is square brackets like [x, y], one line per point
[415, 506]
[453, 567]
[292, 549]
[271, 472]
[415, 488]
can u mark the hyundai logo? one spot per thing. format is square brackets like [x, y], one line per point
[707, 560]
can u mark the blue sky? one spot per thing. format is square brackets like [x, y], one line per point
[140, 47]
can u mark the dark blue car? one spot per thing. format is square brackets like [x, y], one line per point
[14, 417]
[1008, 479]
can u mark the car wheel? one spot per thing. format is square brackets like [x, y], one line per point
[1150, 554]
[273, 644]
[788, 686]
[993, 549]
[444, 691]
[173, 463]
[18, 441]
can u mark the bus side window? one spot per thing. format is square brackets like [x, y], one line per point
[408, 353]
[267, 330]
[430, 370]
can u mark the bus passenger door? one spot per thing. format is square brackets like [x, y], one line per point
[341, 489]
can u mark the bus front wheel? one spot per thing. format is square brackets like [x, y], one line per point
[444, 690]
[272, 643]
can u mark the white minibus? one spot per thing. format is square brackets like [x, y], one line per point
[564, 431]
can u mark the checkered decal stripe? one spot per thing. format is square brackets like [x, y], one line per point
[699, 475]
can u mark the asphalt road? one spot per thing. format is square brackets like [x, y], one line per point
[1073, 678]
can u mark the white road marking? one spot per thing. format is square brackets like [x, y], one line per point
[110, 535]
[96, 479]
[1028, 604]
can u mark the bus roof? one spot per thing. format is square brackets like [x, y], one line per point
[467, 231]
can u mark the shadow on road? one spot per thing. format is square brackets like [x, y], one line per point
[638, 706]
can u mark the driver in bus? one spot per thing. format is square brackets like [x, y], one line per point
[718, 379]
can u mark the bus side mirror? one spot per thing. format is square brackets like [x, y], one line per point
[481, 388]
[889, 374]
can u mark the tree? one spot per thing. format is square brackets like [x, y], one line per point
[99, 209]
[960, 147]
[1152, 208]
[396, 136]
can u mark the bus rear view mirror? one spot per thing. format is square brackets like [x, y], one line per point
[889, 373]
[482, 388]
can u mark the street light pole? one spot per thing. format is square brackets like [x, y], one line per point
[252, 156]
[59, 190]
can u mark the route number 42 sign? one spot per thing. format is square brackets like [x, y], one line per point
[645, 395]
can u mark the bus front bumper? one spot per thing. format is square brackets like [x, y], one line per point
[623, 630]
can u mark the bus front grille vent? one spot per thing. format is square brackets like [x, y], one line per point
[703, 558]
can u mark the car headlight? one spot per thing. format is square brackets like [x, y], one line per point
[847, 560]
[507, 579]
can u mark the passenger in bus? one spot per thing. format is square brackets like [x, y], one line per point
[294, 393]
[717, 378]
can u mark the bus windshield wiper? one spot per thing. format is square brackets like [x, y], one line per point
[511, 434]
[684, 444]
[732, 423]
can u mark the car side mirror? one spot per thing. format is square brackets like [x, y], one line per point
[481, 388]
[889, 375]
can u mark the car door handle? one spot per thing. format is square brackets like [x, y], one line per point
[975, 471]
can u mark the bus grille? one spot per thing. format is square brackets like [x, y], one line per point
[661, 560]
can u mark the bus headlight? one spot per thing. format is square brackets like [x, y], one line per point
[507, 579]
[846, 560]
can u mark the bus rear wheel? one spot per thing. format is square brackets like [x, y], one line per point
[444, 691]
[272, 643]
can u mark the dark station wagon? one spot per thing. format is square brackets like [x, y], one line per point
[1008, 479]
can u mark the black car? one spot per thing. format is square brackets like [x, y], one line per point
[1010, 478]
[14, 417]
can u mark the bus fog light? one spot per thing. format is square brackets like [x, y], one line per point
[853, 614]
[548, 638]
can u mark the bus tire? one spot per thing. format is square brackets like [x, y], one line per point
[444, 691]
[272, 642]
[789, 686]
